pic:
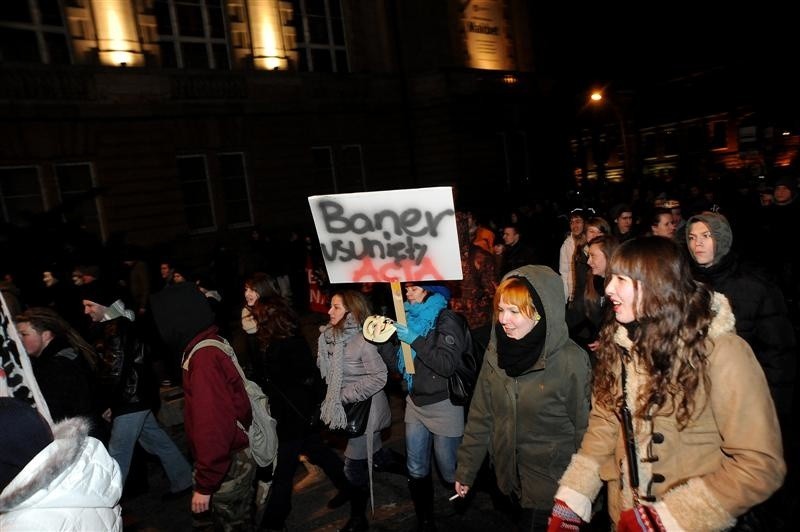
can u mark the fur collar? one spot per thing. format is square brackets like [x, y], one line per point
[723, 322]
[69, 437]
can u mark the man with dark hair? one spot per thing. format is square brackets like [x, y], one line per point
[622, 215]
[517, 252]
[129, 391]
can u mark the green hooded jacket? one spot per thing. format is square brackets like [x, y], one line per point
[532, 424]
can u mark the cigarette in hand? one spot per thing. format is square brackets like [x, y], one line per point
[454, 497]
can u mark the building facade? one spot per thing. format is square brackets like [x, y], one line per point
[178, 121]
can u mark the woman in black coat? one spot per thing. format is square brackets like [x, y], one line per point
[286, 371]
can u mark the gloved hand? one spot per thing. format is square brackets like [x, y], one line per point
[563, 519]
[405, 333]
[640, 519]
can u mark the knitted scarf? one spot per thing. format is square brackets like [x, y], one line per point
[330, 360]
[420, 317]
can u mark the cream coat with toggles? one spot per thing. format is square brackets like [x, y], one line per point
[728, 459]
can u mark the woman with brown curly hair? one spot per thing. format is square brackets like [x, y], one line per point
[284, 368]
[682, 426]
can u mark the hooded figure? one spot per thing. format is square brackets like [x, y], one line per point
[762, 318]
[531, 403]
[215, 404]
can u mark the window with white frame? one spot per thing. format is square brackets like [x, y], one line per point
[75, 189]
[350, 177]
[323, 173]
[235, 190]
[20, 193]
[192, 33]
[196, 189]
[32, 31]
[320, 38]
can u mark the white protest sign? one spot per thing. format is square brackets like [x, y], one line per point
[386, 236]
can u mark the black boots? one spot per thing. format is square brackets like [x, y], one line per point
[422, 496]
[359, 497]
[389, 461]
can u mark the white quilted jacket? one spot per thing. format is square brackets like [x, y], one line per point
[72, 484]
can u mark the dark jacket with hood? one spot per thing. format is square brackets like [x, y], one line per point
[215, 397]
[530, 424]
[762, 318]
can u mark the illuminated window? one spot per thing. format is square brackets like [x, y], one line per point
[196, 189]
[20, 193]
[75, 190]
[32, 31]
[235, 191]
[321, 44]
[192, 33]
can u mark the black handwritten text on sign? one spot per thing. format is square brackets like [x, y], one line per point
[383, 244]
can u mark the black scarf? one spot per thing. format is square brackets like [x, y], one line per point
[518, 356]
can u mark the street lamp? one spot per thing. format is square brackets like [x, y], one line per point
[596, 98]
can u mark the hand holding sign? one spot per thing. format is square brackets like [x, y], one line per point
[378, 328]
[388, 236]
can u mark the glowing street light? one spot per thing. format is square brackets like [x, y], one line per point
[595, 98]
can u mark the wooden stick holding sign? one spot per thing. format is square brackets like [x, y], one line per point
[400, 312]
[391, 236]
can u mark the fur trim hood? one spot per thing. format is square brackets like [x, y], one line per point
[723, 322]
[69, 436]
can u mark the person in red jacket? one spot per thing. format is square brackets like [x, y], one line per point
[214, 401]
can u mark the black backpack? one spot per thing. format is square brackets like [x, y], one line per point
[461, 384]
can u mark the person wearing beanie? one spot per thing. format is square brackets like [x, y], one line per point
[531, 403]
[128, 386]
[59, 479]
[761, 314]
[438, 337]
[782, 216]
[784, 190]
[216, 404]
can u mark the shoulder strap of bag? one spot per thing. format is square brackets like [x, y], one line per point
[226, 347]
[210, 342]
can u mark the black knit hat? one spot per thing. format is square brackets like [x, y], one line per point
[100, 292]
[24, 434]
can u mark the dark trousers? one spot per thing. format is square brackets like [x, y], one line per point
[279, 504]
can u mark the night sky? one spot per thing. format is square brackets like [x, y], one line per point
[658, 40]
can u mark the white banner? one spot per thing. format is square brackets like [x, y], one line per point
[392, 235]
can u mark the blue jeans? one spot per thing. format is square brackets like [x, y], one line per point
[418, 452]
[142, 426]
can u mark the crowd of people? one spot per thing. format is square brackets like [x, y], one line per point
[638, 365]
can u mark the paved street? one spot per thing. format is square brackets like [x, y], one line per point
[393, 510]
